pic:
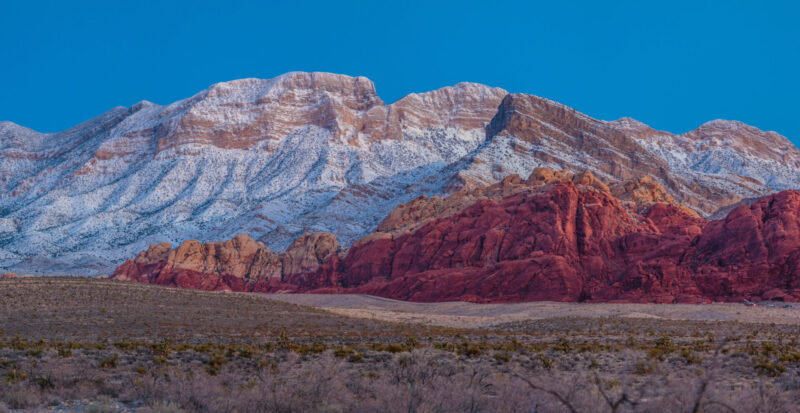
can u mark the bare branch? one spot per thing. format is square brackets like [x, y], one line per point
[553, 393]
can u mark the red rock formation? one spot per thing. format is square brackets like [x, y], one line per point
[239, 264]
[555, 236]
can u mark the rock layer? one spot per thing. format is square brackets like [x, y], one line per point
[318, 152]
[554, 236]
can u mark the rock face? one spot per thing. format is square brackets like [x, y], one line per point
[239, 264]
[716, 165]
[275, 158]
[318, 152]
[554, 236]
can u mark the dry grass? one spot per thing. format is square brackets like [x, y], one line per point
[461, 314]
[90, 310]
[99, 345]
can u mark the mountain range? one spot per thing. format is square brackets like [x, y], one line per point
[287, 159]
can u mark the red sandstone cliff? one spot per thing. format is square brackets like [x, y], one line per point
[555, 236]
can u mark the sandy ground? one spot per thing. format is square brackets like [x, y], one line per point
[469, 315]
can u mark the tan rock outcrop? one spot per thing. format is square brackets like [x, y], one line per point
[235, 264]
[643, 192]
[309, 252]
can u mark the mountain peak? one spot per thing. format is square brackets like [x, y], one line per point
[277, 157]
[723, 124]
[308, 84]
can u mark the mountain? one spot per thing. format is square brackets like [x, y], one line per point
[318, 152]
[555, 236]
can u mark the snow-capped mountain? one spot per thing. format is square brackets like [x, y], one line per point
[321, 152]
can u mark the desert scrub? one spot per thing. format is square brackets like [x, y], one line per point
[15, 375]
[162, 348]
[767, 367]
[215, 363]
[109, 362]
[64, 350]
[471, 349]
[644, 367]
[502, 357]
[546, 362]
[314, 347]
[343, 352]
[563, 345]
[127, 345]
[662, 347]
[690, 357]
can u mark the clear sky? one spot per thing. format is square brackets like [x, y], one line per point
[671, 64]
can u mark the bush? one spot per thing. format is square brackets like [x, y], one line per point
[689, 357]
[215, 364]
[501, 357]
[15, 375]
[768, 368]
[109, 362]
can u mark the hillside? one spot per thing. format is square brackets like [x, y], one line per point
[554, 236]
[318, 152]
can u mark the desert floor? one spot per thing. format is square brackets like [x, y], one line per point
[469, 315]
[85, 344]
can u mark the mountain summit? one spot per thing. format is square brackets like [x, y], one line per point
[319, 152]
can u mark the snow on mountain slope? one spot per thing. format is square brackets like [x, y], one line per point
[716, 165]
[731, 151]
[306, 152]
[257, 156]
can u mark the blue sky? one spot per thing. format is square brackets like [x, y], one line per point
[672, 64]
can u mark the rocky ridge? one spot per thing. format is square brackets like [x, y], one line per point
[554, 236]
[318, 152]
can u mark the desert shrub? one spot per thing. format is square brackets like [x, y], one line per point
[689, 357]
[245, 352]
[161, 348]
[34, 351]
[562, 345]
[18, 343]
[545, 361]
[44, 382]
[644, 367]
[284, 343]
[214, 364]
[64, 350]
[15, 375]
[315, 347]
[343, 352]
[125, 345]
[767, 367]
[790, 357]
[502, 357]
[662, 347]
[109, 362]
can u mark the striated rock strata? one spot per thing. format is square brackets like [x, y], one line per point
[319, 152]
[553, 236]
